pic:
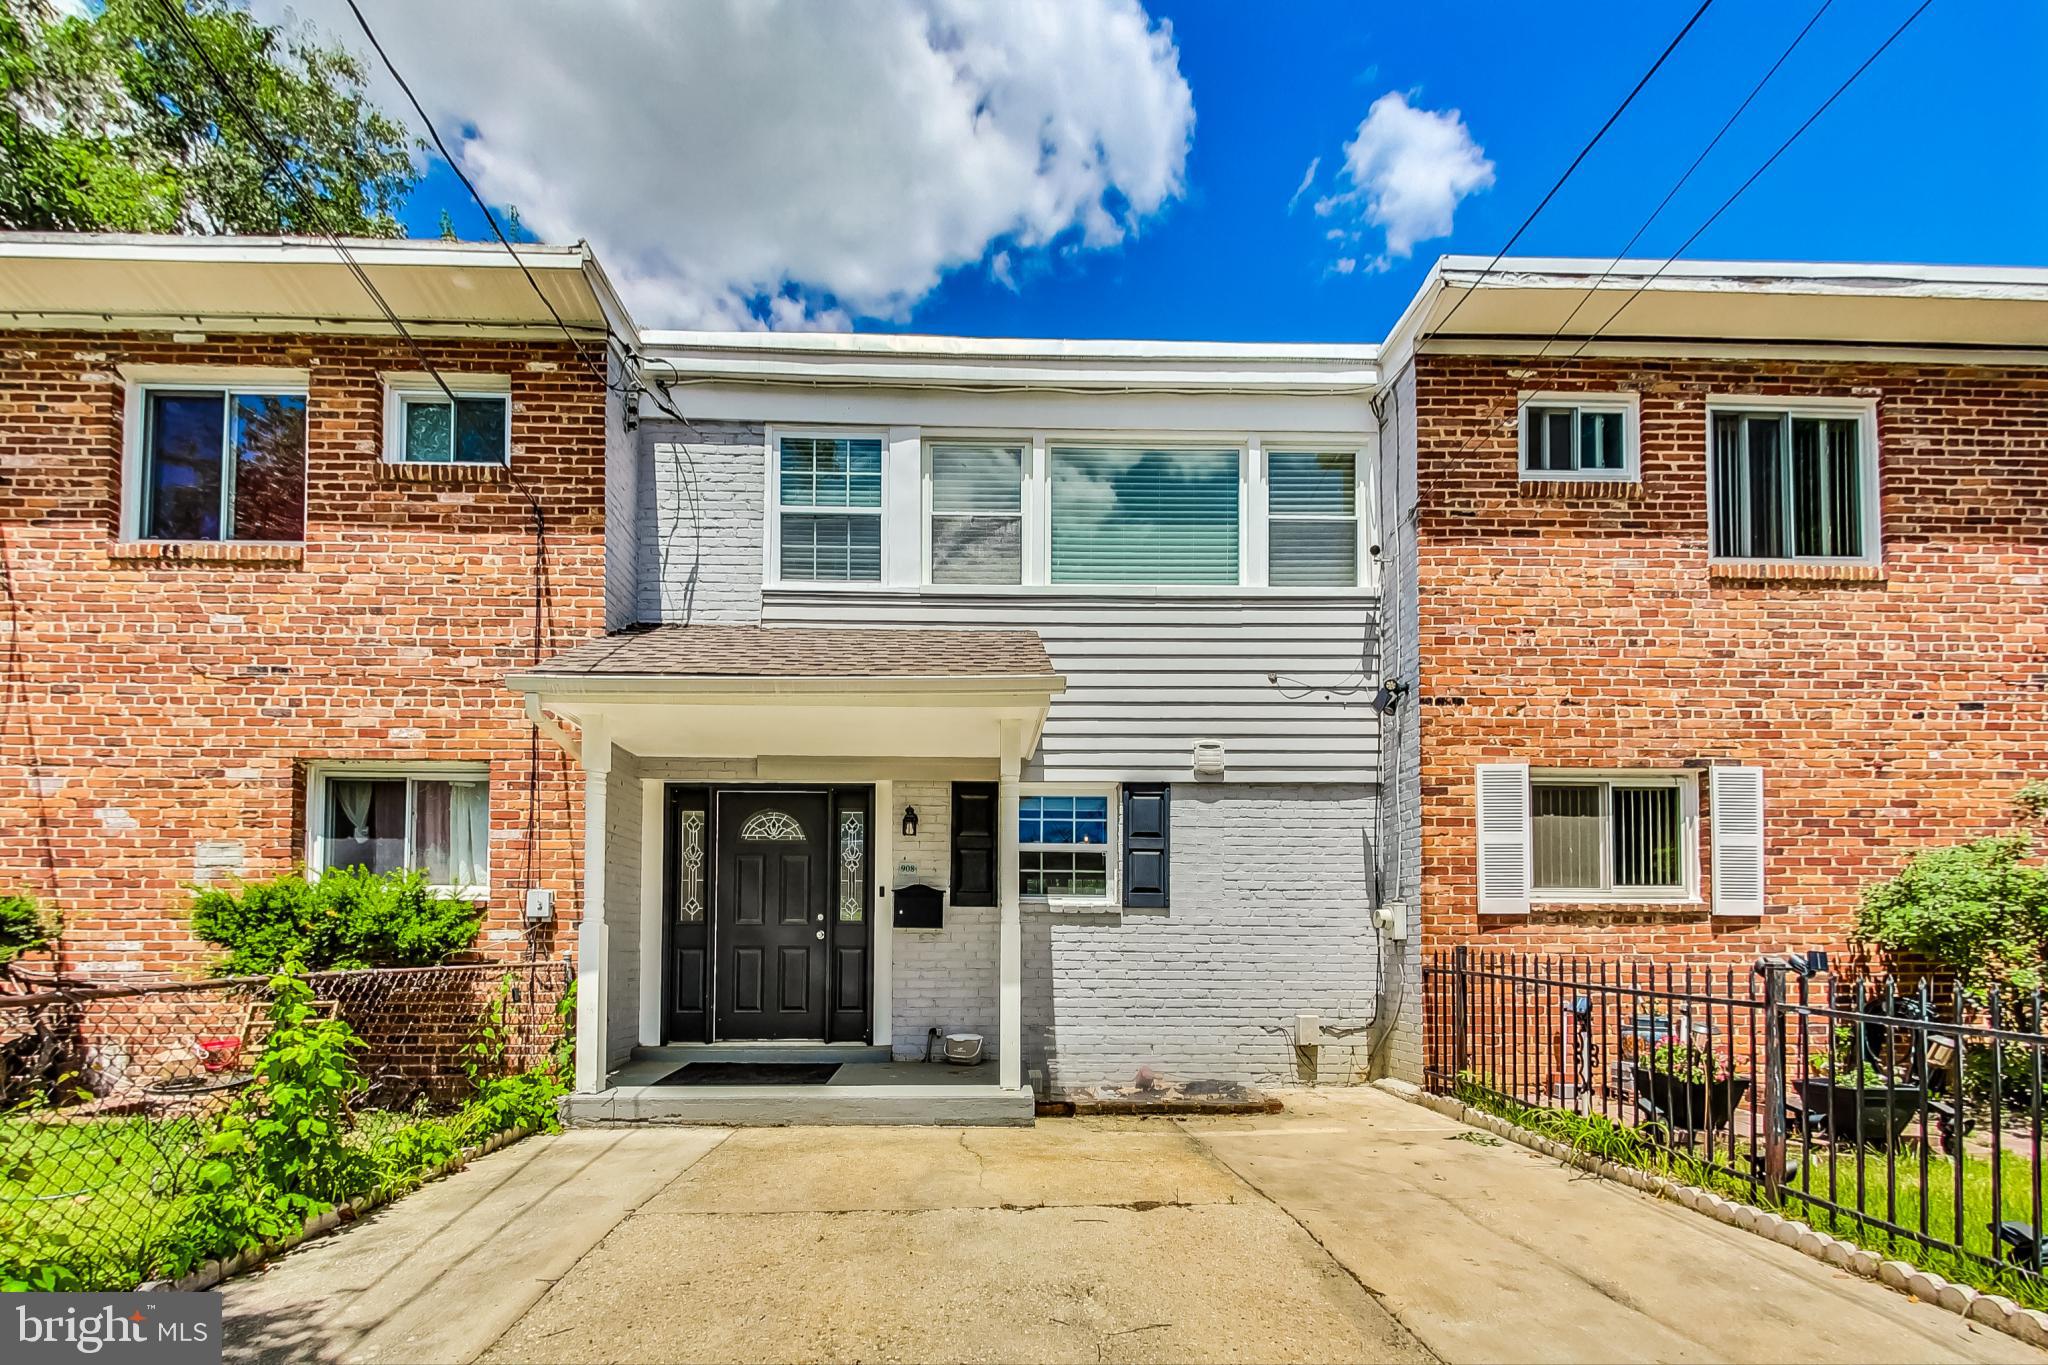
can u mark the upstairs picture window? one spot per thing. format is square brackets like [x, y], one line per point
[1578, 436]
[1609, 836]
[1144, 516]
[386, 819]
[1063, 846]
[977, 514]
[222, 464]
[1311, 519]
[476, 429]
[1793, 485]
[830, 492]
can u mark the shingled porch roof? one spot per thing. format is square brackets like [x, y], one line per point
[802, 652]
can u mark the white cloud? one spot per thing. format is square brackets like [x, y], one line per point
[1409, 169]
[740, 162]
[1308, 177]
[1344, 265]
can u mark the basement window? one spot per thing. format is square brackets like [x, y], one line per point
[1617, 837]
[434, 819]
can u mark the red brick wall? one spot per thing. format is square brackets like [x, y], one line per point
[154, 705]
[1578, 626]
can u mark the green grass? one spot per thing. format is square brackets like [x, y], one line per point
[1602, 1138]
[112, 1191]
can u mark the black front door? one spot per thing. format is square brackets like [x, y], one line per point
[771, 887]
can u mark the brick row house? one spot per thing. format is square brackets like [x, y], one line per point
[1125, 714]
[263, 583]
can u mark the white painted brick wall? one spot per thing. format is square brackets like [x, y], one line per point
[701, 516]
[944, 979]
[1270, 918]
[1399, 1051]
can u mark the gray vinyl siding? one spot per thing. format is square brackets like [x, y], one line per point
[1148, 676]
[621, 507]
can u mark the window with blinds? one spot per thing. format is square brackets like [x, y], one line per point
[1788, 485]
[830, 488]
[1311, 519]
[1143, 516]
[977, 533]
[1619, 835]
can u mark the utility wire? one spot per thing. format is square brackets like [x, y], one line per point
[281, 163]
[1770, 161]
[603, 377]
[1584, 152]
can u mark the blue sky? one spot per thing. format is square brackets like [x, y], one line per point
[1934, 155]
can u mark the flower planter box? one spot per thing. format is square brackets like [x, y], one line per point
[1873, 1116]
[1691, 1105]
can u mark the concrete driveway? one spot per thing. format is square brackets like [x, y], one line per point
[1353, 1227]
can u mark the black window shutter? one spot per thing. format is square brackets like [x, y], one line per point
[1147, 833]
[974, 843]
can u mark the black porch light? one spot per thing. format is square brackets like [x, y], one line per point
[910, 822]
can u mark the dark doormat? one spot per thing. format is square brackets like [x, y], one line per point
[751, 1073]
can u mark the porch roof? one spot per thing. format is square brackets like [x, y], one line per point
[801, 652]
[801, 692]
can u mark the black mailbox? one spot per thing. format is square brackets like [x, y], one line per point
[920, 907]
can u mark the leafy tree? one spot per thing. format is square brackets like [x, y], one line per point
[111, 121]
[1980, 910]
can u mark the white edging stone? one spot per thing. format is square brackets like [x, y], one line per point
[1992, 1310]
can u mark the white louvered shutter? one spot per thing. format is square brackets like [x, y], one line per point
[1504, 844]
[1737, 796]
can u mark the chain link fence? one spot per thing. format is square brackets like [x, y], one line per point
[108, 1094]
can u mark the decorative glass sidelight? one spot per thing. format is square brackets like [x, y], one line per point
[772, 827]
[690, 867]
[853, 842]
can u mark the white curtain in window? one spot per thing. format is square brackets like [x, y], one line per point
[469, 834]
[354, 800]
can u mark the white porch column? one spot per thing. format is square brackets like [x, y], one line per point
[1010, 951]
[592, 942]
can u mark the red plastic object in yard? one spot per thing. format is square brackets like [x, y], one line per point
[220, 1053]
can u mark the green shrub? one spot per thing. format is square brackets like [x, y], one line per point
[349, 918]
[1682, 1062]
[1979, 910]
[24, 927]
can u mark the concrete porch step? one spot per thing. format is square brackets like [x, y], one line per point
[751, 1106]
[681, 1054]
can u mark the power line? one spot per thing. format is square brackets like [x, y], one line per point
[279, 162]
[1682, 180]
[1770, 161]
[489, 217]
[1584, 151]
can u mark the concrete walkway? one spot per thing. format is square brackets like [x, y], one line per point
[1354, 1227]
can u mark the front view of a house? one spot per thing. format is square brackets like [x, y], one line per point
[1012, 690]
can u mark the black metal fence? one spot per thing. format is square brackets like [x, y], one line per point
[1905, 1116]
[108, 1094]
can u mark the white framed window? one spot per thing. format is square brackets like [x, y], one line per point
[1580, 436]
[215, 455]
[1793, 481]
[1311, 518]
[422, 427]
[1066, 843]
[1126, 514]
[825, 494]
[1614, 836]
[433, 817]
[976, 513]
